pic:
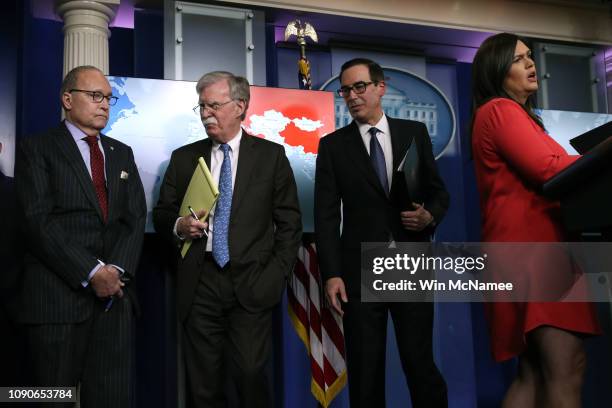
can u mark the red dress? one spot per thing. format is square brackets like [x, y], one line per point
[512, 157]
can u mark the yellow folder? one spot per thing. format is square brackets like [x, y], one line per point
[201, 194]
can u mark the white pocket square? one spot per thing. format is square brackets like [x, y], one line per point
[124, 175]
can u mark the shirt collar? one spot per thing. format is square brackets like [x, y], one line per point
[382, 126]
[234, 143]
[76, 133]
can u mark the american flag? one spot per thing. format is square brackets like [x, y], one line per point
[319, 328]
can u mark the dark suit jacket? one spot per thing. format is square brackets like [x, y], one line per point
[10, 237]
[265, 222]
[345, 174]
[64, 229]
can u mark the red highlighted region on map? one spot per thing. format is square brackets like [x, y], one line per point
[295, 117]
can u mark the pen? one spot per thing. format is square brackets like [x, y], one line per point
[193, 214]
[109, 304]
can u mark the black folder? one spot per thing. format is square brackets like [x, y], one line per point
[587, 141]
[584, 188]
[406, 182]
[595, 160]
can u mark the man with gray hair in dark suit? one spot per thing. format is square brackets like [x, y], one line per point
[84, 216]
[232, 277]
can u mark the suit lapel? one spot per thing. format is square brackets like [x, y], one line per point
[205, 151]
[202, 148]
[112, 172]
[400, 141]
[359, 155]
[68, 147]
[246, 164]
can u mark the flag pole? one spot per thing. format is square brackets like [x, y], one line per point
[301, 30]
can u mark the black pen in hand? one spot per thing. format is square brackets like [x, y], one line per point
[194, 215]
[109, 303]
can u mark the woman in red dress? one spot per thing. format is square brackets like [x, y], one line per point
[513, 157]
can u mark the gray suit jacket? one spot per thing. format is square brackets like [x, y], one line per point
[265, 222]
[65, 233]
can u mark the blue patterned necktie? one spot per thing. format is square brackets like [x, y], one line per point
[220, 248]
[378, 159]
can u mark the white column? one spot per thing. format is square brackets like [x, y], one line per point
[86, 32]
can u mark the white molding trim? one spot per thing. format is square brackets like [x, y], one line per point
[547, 19]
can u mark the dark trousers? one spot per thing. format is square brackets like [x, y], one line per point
[12, 352]
[221, 339]
[365, 329]
[96, 353]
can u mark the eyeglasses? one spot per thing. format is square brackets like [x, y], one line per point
[215, 106]
[98, 96]
[358, 87]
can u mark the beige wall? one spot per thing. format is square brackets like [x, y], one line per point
[570, 20]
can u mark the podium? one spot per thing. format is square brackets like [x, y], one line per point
[585, 187]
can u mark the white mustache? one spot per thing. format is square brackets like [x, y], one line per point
[210, 121]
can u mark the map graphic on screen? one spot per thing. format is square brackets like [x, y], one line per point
[155, 117]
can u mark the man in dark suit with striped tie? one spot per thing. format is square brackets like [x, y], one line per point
[84, 222]
[356, 186]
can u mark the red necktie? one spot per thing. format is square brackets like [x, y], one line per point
[96, 160]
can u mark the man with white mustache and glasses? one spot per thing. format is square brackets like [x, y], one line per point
[357, 184]
[234, 273]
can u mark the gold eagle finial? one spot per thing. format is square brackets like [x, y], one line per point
[301, 30]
